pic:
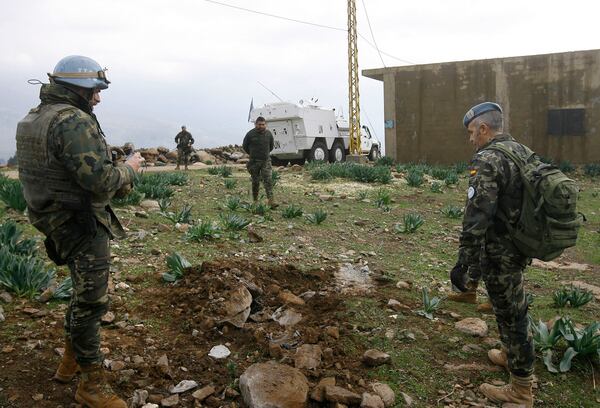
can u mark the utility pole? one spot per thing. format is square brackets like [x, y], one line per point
[353, 90]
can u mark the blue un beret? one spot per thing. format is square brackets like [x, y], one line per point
[479, 110]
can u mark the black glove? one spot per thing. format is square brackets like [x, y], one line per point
[458, 276]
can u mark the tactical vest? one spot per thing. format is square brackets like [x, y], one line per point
[47, 186]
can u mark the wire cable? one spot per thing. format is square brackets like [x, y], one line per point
[372, 35]
[365, 39]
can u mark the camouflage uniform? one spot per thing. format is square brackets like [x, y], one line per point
[68, 181]
[486, 247]
[184, 142]
[259, 146]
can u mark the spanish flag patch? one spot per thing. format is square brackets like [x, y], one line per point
[473, 172]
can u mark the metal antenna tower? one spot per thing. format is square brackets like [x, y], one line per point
[353, 90]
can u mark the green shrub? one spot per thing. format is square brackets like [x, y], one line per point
[414, 178]
[436, 187]
[451, 178]
[430, 305]
[163, 178]
[183, 216]
[213, 171]
[177, 265]
[259, 208]
[205, 230]
[384, 161]
[317, 218]
[164, 204]
[155, 191]
[460, 167]
[592, 169]
[64, 290]
[25, 276]
[11, 193]
[275, 177]
[582, 342]
[566, 166]
[410, 224]
[230, 184]
[362, 195]
[11, 238]
[233, 222]
[452, 211]
[439, 173]
[573, 296]
[225, 171]
[292, 211]
[232, 203]
[134, 197]
[320, 173]
[383, 198]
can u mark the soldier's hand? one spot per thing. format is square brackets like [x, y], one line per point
[135, 161]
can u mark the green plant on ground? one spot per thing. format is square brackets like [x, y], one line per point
[362, 195]
[566, 166]
[164, 204]
[177, 265]
[232, 203]
[25, 276]
[452, 211]
[410, 224]
[64, 290]
[275, 177]
[582, 342]
[183, 216]
[11, 193]
[317, 217]
[233, 222]
[430, 305]
[561, 297]
[460, 167]
[439, 173]
[592, 169]
[414, 178]
[320, 173]
[292, 211]
[213, 171]
[573, 296]
[546, 339]
[134, 197]
[436, 187]
[259, 208]
[203, 231]
[230, 183]
[225, 171]
[11, 238]
[451, 179]
[155, 191]
[385, 161]
[383, 198]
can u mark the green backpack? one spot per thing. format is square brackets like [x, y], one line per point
[549, 221]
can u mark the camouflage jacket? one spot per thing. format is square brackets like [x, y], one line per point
[494, 186]
[76, 141]
[184, 139]
[258, 145]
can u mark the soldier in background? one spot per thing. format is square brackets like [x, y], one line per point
[184, 142]
[68, 179]
[486, 249]
[258, 143]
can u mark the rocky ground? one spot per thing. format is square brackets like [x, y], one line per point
[293, 314]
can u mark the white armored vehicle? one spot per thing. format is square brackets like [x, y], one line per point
[309, 132]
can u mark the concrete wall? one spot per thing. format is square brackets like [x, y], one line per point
[427, 102]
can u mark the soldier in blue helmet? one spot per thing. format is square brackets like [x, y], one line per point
[68, 179]
[486, 249]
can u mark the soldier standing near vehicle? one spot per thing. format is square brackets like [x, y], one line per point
[486, 248]
[258, 143]
[184, 142]
[68, 181]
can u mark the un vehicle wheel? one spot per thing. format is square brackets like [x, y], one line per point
[337, 153]
[374, 153]
[318, 152]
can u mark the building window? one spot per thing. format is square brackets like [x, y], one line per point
[566, 122]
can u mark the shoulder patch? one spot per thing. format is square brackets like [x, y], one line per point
[470, 192]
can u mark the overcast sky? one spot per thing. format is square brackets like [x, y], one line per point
[197, 63]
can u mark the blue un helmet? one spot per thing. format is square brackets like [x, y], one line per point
[80, 71]
[479, 110]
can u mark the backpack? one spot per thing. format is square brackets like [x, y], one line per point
[549, 221]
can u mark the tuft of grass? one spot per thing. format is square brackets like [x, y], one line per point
[259, 208]
[566, 166]
[430, 305]
[573, 296]
[230, 184]
[11, 238]
[451, 179]
[317, 217]
[164, 204]
[205, 230]
[362, 195]
[385, 161]
[177, 265]
[155, 191]
[592, 169]
[134, 197]
[452, 211]
[383, 198]
[183, 216]
[292, 211]
[460, 167]
[410, 224]
[582, 342]
[275, 177]
[436, 187]
[232, 203]
[233, 222]
[351, 171]
[414, 178]
[320, 173]
[11, 193]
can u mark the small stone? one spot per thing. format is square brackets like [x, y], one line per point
[30, 311]
[375, 358]
[396, 305]
[37, 397]
[171, 401]
[155, 251]
[203, 393]
[338, 394]
[289, 298]
[385, 392]
[273, 385]
[138, 360]
[275, 351]
[472, 326]
[403, 285]
[371, 401]
[139, 398]
[141, 214]
[333, 331]
[108, 318]
[286, 317]
[5, 297]
[150, 405]
[308, 356]
[122, 286]
[117, 365]
[318, 393]
[183, 386]
[407, 399]
[219, 352]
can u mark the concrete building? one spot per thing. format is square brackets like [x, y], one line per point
[551, 103]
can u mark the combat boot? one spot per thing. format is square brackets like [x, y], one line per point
[499, 357]
[469, 296]
[68, 367]
[94, 391]
[517, 392]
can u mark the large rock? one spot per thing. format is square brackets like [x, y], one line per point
[334, 393]
[472, 326]
[172, 155]
[371, 401]
[318, 393]
[308, 356]
[286, 316]
[204, 156]
[272, 385]
[150, 155]
[236, 307]
[385, 392]
[375, 358]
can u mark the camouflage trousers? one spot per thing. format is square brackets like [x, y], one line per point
[183, 155]
[88, 256]
[261, 170]
[503, 277]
